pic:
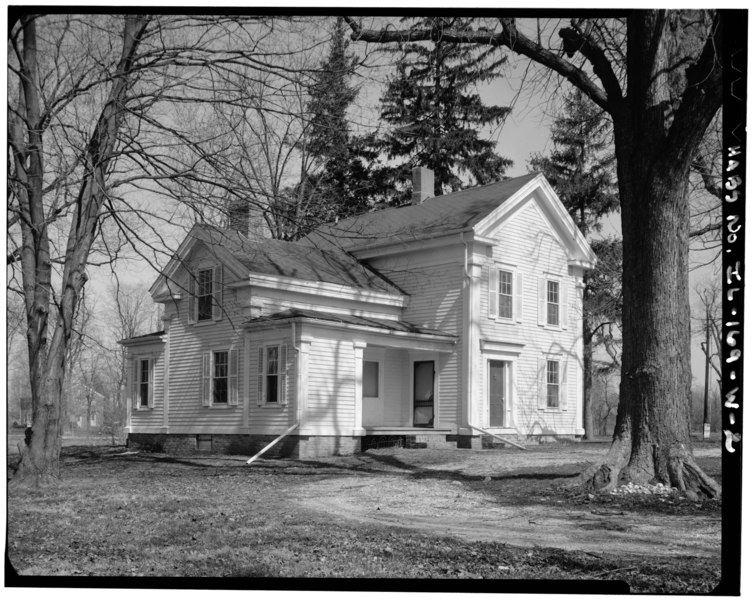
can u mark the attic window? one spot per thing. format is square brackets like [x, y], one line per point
[204, 294]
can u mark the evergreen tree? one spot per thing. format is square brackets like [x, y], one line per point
[436, 113]
[338, 184]
[580, 168]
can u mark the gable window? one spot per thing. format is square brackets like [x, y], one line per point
[505, 294]
[553, 382]
[220, 378]
[204, 295]
[552, 303]
[272, 375]
[370, 379]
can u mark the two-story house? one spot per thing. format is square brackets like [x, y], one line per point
[443, 321]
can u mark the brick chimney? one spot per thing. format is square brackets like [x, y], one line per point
[422, 184]
[239, 216]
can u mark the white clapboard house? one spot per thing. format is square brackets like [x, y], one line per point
[439, 323]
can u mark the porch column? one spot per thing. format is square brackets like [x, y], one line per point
[358, 347]
[166, 320]
[471, 347]
[302, 388]
[248, 364]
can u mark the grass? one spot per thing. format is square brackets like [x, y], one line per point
[156, 515]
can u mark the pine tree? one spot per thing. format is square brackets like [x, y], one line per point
[435, 112]
[580, 168]
[338, 185]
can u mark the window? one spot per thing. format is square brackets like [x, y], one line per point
[552, 303]
[220, 377]
[552, 384]
[144, 380]
[370, 379]
[272, 375]
[205, 297]
[505, 294]
[204, 294]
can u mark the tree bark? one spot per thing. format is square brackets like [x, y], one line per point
[40, 461]
[587, 377]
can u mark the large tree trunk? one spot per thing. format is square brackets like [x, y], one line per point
[655, 395]
[40, 460]
[587, 378]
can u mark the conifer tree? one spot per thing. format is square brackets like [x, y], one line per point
[436, 114]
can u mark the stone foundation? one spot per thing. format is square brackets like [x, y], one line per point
[293, 446]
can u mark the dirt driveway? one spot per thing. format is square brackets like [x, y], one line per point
[508, 496]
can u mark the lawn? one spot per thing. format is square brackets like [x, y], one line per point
[397, 513]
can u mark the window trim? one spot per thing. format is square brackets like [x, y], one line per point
[549, 304]
[549, 384]
[217, 284]
[543, 385]
[199, 296]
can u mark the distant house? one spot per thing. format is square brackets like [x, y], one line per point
[440, 322]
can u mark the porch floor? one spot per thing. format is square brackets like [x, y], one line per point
[405, 430]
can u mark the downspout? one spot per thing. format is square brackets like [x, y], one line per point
[467, 356]
[297, 401]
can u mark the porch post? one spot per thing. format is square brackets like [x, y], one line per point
[358, 347]
[302, 389]
[166, 320]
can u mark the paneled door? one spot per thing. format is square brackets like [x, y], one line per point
[497, 392]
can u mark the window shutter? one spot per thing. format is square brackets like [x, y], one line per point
[542, 301]
[133, 370]
[260, 377]
[217, 293]
[206, 379]
[233, 376]
[563, 304]
[152, 382]
[518, 297]
[563, 376]
[493, 292]
[283, 374]
[542, 387]
[191, 296]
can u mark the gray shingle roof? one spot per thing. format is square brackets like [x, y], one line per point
[440, 215]
[381, 323]
[296, 260]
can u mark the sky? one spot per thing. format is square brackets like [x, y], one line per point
[524, 132]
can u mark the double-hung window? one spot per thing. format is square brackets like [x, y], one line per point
[220, 378]
[505, 294]
[205, 296]
[272, 375]
[506, 297]
[553, 383]
[552, 303]
[143, 382]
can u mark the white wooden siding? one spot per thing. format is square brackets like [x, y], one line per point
[148, 419]
[331, 385]
[527, 242]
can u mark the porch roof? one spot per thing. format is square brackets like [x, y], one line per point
[379, 323]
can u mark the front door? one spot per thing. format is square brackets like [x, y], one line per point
[423, 377]
[497, 392]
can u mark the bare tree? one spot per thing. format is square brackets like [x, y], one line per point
[94, 118]
[658, 75]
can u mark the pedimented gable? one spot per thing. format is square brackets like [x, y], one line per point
[539, 198]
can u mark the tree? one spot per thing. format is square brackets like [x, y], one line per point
[97, 128]
[658, 76]
[436, 113]
[580, 168]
